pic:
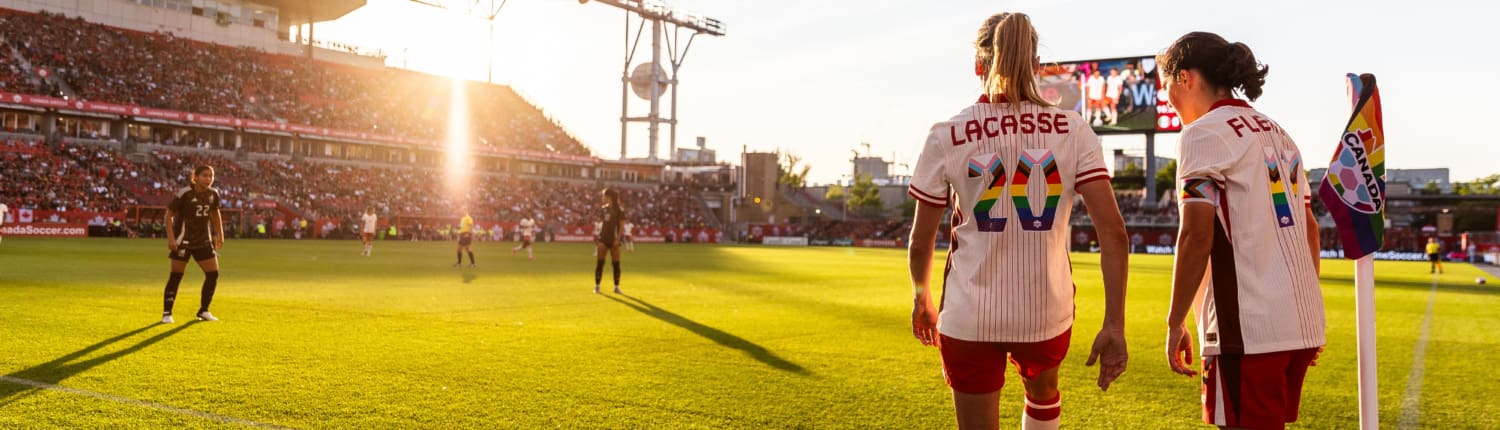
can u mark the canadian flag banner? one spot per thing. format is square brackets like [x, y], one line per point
[23, 215]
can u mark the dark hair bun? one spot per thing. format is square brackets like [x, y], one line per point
[1240, 70]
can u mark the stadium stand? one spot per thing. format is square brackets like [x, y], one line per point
[94, 62]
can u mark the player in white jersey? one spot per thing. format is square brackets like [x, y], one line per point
[367, 233]
[626, 239]
[3, 211]
[1247, 255]
[598, 227]
[1094, 88]
[525, 228]
[1112, 86]
[1010, 166]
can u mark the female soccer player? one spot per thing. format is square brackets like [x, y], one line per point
[1248, 244]
[196, 231]
[1007, 164]
[465, 237]
[609, 238]
[367, 234]
[525, 228]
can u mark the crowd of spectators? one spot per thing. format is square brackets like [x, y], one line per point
[63, 178]
[343, 191]
[159, 70]
[98, 178]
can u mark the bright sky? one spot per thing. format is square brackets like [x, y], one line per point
[818, 78]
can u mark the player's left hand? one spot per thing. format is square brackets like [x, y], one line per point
[1109, 350]
[218, 243]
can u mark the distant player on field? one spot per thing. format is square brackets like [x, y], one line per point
[196, 231]
[598, 227]
[626, 239]
[612, 217]
[525, 228]
[1434, 255]
[465, 237]
[1247, 255]
[3, 211]
[1009, 165]
[367, 234]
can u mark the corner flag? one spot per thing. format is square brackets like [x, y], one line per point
[1353, 190]
[1354, 193]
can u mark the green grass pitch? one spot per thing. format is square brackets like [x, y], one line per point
[315, 336]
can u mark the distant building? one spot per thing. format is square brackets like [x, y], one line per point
[1122, 160]
[878, 168]
[699, 155]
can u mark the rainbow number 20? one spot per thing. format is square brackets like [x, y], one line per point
[1032, 163]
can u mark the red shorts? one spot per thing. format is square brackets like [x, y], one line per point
[1257, 391]
[979, 367]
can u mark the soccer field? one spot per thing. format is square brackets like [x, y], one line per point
[315, 336]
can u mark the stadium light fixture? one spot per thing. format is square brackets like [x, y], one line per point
[651, 81]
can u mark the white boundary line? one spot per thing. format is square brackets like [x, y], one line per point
[141, 403]
[1411, 407]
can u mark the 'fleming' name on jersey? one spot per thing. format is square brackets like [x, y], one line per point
[1026, 123]
[1258, 124]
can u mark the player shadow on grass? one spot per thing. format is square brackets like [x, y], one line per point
[469, 277]
[59, 369]
[759, 353]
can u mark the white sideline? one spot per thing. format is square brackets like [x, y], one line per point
[1411, 407]
[142, 403]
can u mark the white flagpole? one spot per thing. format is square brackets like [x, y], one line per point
[1364, 306]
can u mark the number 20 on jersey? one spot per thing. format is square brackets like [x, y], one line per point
[1032, 162]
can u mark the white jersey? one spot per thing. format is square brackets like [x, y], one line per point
[1260, 293]
[526, 227]
[1112, 87]
[1095, 87]
[628, 228]
[369, 223]
[4, 212]
[1010, 173]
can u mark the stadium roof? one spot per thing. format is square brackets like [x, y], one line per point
[316, 10]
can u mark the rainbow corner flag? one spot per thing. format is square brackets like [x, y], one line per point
[1354, 188]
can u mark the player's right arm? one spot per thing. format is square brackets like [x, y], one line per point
[919, 261]
[1204, 157]
[931, 190]
[170, 220]
[171, 232]
[1195, 241]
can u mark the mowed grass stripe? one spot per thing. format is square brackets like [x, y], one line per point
[315, 336]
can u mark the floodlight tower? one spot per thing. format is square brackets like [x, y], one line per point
[649, 80]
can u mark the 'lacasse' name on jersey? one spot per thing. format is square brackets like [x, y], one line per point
[1026, 123]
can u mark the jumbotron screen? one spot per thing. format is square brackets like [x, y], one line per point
[1118, 95]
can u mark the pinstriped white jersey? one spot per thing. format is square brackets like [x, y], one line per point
[1260, 293]
[1010, 174]
[526, 226]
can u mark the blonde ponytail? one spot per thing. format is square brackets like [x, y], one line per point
[1012, 54]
